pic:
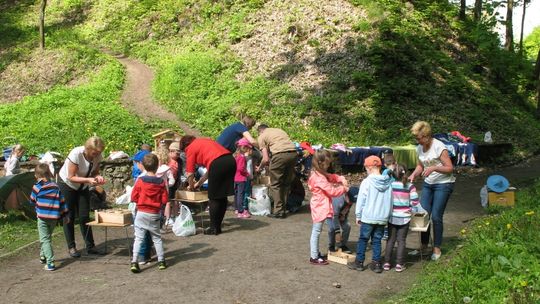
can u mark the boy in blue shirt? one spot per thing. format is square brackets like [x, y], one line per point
[373, 209]
[50, 207]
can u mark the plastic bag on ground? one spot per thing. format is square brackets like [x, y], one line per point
[184, 224]
[259, 206]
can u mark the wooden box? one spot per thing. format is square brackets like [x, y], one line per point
[340, 257]
[192, 195]
[419, 220]
[114, 216]
[505, 199]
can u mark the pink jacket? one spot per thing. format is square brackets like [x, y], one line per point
[322, 191]
[241, 169]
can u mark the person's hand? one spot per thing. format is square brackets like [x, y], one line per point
[412, 177]
[196, 186]
[428, 171]
[99, 180]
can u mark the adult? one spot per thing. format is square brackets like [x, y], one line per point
[230, 136]
[81, 170]
[435, 166]
[276, 142]
[220, 174]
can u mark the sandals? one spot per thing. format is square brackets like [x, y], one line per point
[400, 268]
[387, 266]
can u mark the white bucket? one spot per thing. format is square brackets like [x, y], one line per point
[259, 191]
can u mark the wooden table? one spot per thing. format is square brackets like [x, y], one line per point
[112, 225]
[202, 204]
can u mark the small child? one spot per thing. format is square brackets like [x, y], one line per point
[241, 176]
[249, 179]
[50, 207]
[323, 186]
[373, 208]
[12, 165]
[341, 230]
[404, 196]
[145, 149]
[389, 166]
[150, 195]
[164, 172]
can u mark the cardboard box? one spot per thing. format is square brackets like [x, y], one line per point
[340, 257]
[505, 199]
[419, 220]
[114, 216]
[192, 195]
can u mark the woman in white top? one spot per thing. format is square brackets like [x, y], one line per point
[81, 170]
[435, 165]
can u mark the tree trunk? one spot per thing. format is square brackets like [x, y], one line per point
[42, 24]
[509, 43]
[537, 78]
[462, 8]
[477, 10]
[522, 25]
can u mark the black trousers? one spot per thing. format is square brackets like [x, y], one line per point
[220, 185]
[78, 203]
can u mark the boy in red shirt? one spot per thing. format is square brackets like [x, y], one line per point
[150, 195]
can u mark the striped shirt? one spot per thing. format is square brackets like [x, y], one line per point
[403, 198]
[48, 200]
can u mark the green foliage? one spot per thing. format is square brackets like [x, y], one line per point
[16, 231]
[531, 44]
[65, 117]
[498, 263]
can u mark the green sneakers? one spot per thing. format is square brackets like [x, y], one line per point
[135, 268]
[162, 265]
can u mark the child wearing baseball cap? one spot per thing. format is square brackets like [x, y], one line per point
[373, 209]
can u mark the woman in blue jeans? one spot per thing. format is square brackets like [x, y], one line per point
[435, 166]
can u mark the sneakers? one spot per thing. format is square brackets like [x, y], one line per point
[162, 265]
[210, 231]
[387, 266]
[277, 215]
[236, 212]
[318, 261]
[246, 214]
[356, 265]
[135, 268]
[435, 256]
[332, 249]
[42, 260]
[74, 253]
[375, 267]
[400, 268]
[323, 256]
[346, 249]
[93, 250]
[50, 266]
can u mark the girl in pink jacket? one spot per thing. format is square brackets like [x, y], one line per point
[323, 187]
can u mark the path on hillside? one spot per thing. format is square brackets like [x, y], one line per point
[258, 260]
[137, 95]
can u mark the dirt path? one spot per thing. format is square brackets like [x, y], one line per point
[137, 97]
[257, 260]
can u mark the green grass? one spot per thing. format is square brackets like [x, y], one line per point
[499, 261]
[16, 231]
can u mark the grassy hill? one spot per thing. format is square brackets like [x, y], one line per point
[358, 72]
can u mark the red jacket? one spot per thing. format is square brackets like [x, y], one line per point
[150, 194]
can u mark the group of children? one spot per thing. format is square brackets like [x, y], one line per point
[384, 198]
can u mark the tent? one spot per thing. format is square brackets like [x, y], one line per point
[15, 193]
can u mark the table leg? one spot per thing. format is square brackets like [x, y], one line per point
[129, 243]
[105, 239]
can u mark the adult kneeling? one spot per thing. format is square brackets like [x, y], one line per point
[221, 168]
[81, 170]
[435, 166]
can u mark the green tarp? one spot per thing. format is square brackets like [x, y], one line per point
[15, 192]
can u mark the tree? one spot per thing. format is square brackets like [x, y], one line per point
[42, 24]
[525, 2]
[477, 10]
[462, 8]
[509, 43]
[537, 78]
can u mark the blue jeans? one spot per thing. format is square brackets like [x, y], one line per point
[239, 193]
[315, 234]
[433, 199]
[367, 231]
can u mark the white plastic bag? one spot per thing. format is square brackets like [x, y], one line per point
[184, 224]
[259, 206]
[484, 196]
[124, 198]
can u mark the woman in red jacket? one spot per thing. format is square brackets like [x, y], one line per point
[221, 167]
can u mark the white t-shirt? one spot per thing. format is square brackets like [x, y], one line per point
[12, 166]
[76, 157]
[432, 157]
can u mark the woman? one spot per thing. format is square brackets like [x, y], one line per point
[435, 166]
[220, 174]
[81, 170]
[230, 136]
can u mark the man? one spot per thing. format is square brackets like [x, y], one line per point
[276, 142]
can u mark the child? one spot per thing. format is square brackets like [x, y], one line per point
[404, 196]
[50, 207]
[150, 195]
[323, 186]
[339, 233]
[164, 172]
[241, 176]
[389, 167]
[145, 149]
[12, 165]
[373, 209]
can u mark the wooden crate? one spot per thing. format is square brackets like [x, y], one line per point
[419, 220]
[341, 257]
[192, 195]
[505, 199]
[114, 216]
